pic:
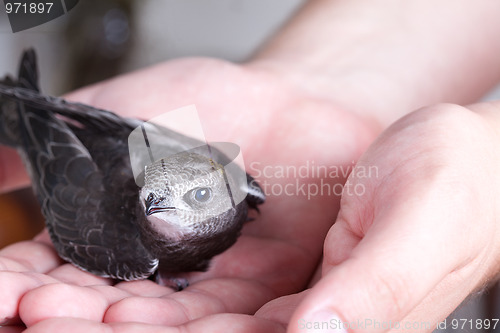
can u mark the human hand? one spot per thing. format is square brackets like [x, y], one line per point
[276, 254]
[419, 237]
[369, 77]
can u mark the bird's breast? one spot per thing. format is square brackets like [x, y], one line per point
[170, 228]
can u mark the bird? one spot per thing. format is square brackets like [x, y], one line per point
[172, 219]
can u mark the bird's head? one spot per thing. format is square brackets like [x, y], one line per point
[187, 194]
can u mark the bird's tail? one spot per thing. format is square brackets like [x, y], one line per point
[27, 80]
[28, 71]
[27, 74]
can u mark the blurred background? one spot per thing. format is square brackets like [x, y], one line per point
[98, 39]
[101, 38]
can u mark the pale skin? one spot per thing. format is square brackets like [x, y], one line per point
[327, 88]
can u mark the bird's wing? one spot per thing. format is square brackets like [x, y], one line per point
[84, 218]
[87, 222]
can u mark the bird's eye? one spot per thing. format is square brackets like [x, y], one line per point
[150, 197]
[202, 194]
[198, 197]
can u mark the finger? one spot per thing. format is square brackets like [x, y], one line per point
[213, 324]
[79, 325]
[64, 300]
[73, 275]
[29, 256]
[13, 286]
[201, 299]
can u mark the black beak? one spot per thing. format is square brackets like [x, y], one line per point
[154, 206]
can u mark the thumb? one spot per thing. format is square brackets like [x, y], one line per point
[388, 274]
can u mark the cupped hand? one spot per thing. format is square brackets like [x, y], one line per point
[278, 128]
[414, 237]
[420, 234]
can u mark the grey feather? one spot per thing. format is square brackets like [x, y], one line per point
[78, 160]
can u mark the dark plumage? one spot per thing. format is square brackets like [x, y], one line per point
[78, 160]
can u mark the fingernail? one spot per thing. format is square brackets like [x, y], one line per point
[322, 321]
